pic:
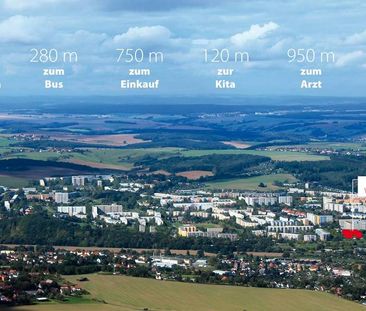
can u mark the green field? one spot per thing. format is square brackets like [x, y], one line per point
[120, 158]
[274, 155]
[126, 293]
[13, 182]
[252, 183]
[125, 158]
[5, 141]
[330, 145]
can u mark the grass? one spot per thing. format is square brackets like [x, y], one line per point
[63, 307]
[332, 145]
[126, 293]
[13, 182]
[126, 159]
[274, 155]
[4, 141]
[208, 225]
[252, 183]
[122, 158]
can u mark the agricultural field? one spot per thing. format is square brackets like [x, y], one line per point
[274, 155]
[108, 292]
[118, 159]
[194, 175]
[13, 182]
[116, 140]
[4, 141]
[330, 145]
[125, 159]
[237, 144]
[252, 183]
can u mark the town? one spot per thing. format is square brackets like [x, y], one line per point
[283, 239]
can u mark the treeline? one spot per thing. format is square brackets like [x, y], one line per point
[221, 165]
[181, 139]
[273, 144]
[41, 229]
[337, 173]
[11, 165]
[52, 143]
[127, 199]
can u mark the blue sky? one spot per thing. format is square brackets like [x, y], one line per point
[181, 29]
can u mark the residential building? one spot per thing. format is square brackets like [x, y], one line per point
[186, 229]
[72, 210]
[61, 197]
[323, 235]
[78, 181]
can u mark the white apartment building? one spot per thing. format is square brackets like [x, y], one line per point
[61, 197]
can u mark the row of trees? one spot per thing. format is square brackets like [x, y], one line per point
[42, 229]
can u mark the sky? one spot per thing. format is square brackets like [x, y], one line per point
[182, 30]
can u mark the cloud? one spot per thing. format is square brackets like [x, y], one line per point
[181, 30]
[20, 29]
[254, 33]
[90, 40]
[10, 70]
[255, 41]
[350, 58]
[357, 38]
[142, 36]
[279, 47]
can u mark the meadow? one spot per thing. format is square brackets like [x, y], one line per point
[119, 159]
[13, 182]
[127, 159]
[252, 183]
[108, 292]
[274, 155]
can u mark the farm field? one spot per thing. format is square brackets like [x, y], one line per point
[4, 141]
[330, 145]
[193, 175]
[237, 144]
[118, 156]
[13, 182]
[125, 159]
[122, 159]
[127, 293]
[274, 155]
[115, 140]
[252, 183]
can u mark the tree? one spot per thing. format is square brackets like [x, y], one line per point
[200, 253]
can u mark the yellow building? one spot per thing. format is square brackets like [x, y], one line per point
[186, 229]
